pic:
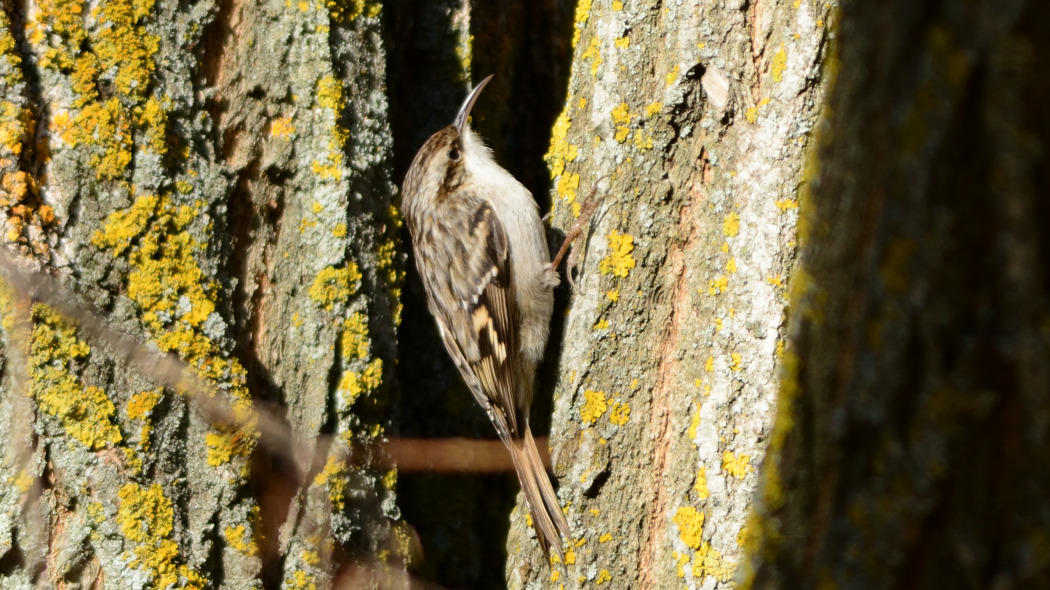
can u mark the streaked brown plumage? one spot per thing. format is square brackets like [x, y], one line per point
[481, 251]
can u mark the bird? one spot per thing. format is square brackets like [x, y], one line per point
[481, 251]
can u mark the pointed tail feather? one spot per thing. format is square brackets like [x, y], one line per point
[550, 499]
[547, 517]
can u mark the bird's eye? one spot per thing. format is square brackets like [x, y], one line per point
[453, 154]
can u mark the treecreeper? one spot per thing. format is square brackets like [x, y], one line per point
[481, 250]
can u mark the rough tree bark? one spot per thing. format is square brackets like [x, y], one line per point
[911, 436]
[691, 122]
[215, 177]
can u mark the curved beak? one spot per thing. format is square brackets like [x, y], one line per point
[464, 111]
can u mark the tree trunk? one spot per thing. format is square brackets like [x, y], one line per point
[690, 123]
[911, 433]
[215, 177]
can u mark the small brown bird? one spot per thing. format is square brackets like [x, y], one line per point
[481, 251]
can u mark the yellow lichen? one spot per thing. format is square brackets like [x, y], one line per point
[622, 42]
[353, 384]
[146, 518]
[680, 562]
[719, 285]
[107, 125]
[583, 12]
[310, 557]
[601, 324]
[672, 76]
[330, 169]
[603, 577]
[301, 580]
[235, 440]
[282, 127]
[731, 225]
[619, 262]
[701, 484]
[695, 423]
[735, 364]
[330, 93]
[561, 151]
[23, 481]
[594, 53]
[735, 466]
[690, 523]
[176, 299]
[620, 413]
[605, 538]
[139, 407]
[240, 539]
[125, 47]
[334, 285]
[120, 58]
[14, 127]
[152, 118]
[345, 11]
[390, 479]
[334, 476]
[567, 185]
[386, 261]
[621, 117]
[85, 412]
[354, 342]
[594, 406]
[778, 65]
[643, 141]
[709, 562]
[330, 97]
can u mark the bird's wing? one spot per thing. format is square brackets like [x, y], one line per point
[480, 334]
